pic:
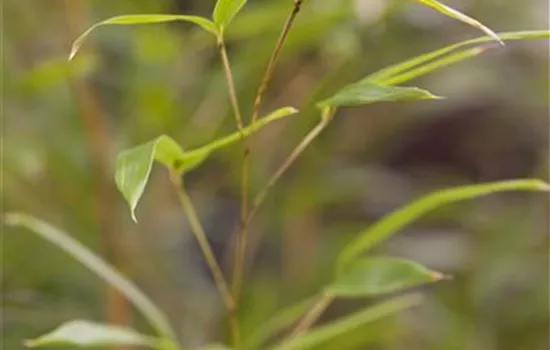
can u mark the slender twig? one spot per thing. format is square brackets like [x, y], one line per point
[202, 239]
[242, 238]
[230, 83]
[268, 74]
[306, 141]
[311, 316]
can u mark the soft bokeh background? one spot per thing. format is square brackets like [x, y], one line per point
[64, 123]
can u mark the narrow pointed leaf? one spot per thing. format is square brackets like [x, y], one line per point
[436, 64]
[193, 158]
[320, 335]
[365, 92]
[134, 167]
[393, 222]
[81, 333]
[449, 11]
[373, 276]
[143, 19]
[383, 75]
[225, 11]
[98, 266]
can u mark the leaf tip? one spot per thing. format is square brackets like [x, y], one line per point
[12, 219]
[134, 218]
[30, 343]
[439, 276]
[544, 186]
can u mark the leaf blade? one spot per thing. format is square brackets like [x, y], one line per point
[142, 19]
[193, 158]
[374, 276]
[83, 333]
[396, 220]
[365, 92]
[98, 266]
[381, 76]
[451, 12]
[225, 11]
[134, 167]
[321, 334]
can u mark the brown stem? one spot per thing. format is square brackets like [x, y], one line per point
[268, 74]
[101, 148]
[202, 239]
[242, 239]
[311, 316]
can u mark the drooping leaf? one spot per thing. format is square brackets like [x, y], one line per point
[373, 276]
[98, 266]
[393, 222]
[195, 157]
[143, 19]
[365, 92]
[81, 333]
[283, 319]
[319, 335]
[426, 63]
[134, 167]
[449, 11]
[225, 11]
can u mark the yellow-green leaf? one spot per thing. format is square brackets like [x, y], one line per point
[449, 11]
[373, 276]
[225, 11]
[134, 167]
[346, 324]
[365, 92]
[193, 158]
[143, 19]
[391, 223]
[428, 62]
[84, 334]
[97, 265]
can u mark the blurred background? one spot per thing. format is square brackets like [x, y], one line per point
[63, 125]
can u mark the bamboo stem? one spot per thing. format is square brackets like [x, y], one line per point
[215, 269]
[242, 238]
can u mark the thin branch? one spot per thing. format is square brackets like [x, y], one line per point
[208, 254]
[242, 238]
[306, 141]
[311, 316]
[230, 84]
[268, 74]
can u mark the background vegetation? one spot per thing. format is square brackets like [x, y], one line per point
[65, 123]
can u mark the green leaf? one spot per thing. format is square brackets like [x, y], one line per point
[449, 11]
[421, 65]
[134, 167]
[277, 323]
[374, 276]
[80, 333]
[393, 222]
[193, 158]
[346, 324]
[366, 92]
[225, 10]
[143, 19]
[98, 266]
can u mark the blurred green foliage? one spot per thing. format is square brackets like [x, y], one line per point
[167, 79]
